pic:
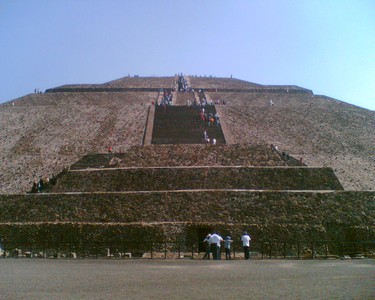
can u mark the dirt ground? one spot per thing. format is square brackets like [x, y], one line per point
[186, 279]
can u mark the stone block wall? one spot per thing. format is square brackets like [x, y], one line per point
[346, 216]
[185, 155]
[161, 179]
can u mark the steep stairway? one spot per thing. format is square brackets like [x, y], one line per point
[183, 125]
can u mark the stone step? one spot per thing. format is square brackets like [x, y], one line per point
[184, 155]
[154, 179]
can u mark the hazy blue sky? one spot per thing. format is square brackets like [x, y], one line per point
[327, 46]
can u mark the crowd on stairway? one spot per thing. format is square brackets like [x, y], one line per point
[183, 85]
[203, 102]
[166, 98]
[207, 139]
[209, 118]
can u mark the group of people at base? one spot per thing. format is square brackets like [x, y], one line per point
[213, 245]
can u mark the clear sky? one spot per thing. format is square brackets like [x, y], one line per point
[327, 46]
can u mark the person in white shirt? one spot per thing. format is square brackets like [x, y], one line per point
[215, 241]
[245, 238]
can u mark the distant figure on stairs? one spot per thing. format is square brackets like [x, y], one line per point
[205, 137]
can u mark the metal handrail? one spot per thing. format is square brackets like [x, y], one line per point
[176, 249]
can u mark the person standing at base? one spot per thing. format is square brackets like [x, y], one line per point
[227, 246]
[245, 238]
[208, 245]
[215, 241]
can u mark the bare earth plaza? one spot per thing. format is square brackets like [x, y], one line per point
[123, 190]
[186, 279]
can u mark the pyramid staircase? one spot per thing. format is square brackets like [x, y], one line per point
[183, 125]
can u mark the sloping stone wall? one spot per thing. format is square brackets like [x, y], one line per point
[161, 179]
[185, 155]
